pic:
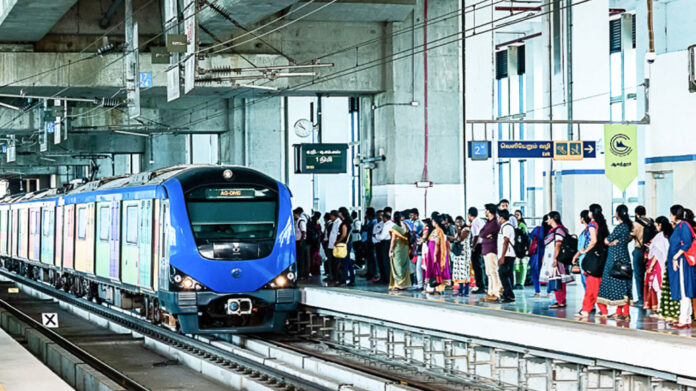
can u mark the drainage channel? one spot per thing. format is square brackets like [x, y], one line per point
[458, 359]
[240, 366]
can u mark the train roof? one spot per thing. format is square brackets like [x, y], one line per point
[190, 175]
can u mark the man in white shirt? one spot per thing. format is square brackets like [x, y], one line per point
[476, 258]
[376, 230]
[302, 249]
[383, 248]
[506, 254]
[333, 236]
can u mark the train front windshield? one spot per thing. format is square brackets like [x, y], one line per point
[232, 215]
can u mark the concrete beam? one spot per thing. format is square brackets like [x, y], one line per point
[224, 17]
[30, 20]
[354, 10]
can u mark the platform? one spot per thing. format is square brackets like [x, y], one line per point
[20, 370]
[648, 343]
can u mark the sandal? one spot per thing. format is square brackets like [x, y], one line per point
[614, 316]
[556, 305]
[582, 315]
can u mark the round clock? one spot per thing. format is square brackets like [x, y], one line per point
[303, 128]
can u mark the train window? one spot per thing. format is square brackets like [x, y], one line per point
[132, 224]
[104, 223]
[82, 222]
[46, 223]
[232, 220]
[34, 224]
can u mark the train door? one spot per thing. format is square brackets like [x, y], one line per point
[163, 254]
[58, 229]
[4, 233]
[47, 234]
[35, 234]
[23, 233]
[69, 236]
[84, 241]
[115, 241]
[15, 234]
[130, 215]
[145, 244]
[102, 258]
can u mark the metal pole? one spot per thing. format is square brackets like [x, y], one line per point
[463, 23]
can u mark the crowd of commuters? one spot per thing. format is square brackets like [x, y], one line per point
[495, 254]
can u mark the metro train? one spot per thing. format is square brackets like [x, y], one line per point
[197, 248]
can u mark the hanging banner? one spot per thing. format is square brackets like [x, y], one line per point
[621, 154]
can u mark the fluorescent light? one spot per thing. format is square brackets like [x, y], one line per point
[131, 133]
[257, 87]
[9, 106]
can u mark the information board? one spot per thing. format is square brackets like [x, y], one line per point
[321, 158]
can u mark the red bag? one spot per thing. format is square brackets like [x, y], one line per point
[690, 254]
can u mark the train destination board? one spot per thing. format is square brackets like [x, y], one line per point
[321, 158]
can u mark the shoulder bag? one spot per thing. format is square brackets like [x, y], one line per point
[594, 260]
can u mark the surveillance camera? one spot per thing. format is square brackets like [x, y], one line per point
[650, 57]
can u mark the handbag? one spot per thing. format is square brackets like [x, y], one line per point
[594, 261]
[690, 254]
[622, 271]
[340, 250]
[555, 283]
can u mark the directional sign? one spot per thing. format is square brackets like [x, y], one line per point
[50, 320]
[50, 126]
[479, 150]
[558, 150]
[145, 79]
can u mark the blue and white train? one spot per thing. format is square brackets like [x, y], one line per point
[201, 249]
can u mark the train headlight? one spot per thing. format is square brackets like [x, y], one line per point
[177, 278]
[227, 174]
[286, 279]
[181, 281]
[187, 283]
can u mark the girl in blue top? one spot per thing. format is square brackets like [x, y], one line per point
[682, 279]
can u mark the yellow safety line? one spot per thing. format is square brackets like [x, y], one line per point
[515, 312]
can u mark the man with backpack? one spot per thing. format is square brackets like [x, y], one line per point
[644, 231]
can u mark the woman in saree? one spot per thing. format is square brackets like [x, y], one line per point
[657, 257]
[437, 271]
[400, 276]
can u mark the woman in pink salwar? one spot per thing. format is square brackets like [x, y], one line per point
[655, 267]
[437, 271]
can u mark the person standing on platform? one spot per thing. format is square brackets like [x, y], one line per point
[551, 266]
[642, 228]
[477, 224]
[613, 291]
[423, 243]
[461, 262]
[597, 231]
[325, 245]
[656, 266]
[347, 271]
[334, 277]
[489, 249]
[384, 243]
[356, 239]
[301, 244]
[682, 279]
[415, 231]
[536, 253]
[505, 205]
[437, 273]
[400, 274]
[314, 236]
[506, 255]
[521, 263]
[376, 231]
[583, 243]
[368, 244]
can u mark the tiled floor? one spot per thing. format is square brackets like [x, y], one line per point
[526, 303]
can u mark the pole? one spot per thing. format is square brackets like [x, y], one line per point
[463, 23]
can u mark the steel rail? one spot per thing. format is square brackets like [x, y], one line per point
[204, 351]
[94, 362]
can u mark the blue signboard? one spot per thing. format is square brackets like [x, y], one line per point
[145, 79]
[4, 148]
[541, 149]
[50, 127]
[479, 150]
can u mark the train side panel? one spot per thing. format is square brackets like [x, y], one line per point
[23, 233]
[47, 234]
[69, 237]
[129, 242]
[84, 238]
[102, 238]
[145, 245]
[58, 251]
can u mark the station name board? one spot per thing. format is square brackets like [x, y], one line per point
[321, 158]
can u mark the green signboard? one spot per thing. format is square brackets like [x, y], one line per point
[321, 158]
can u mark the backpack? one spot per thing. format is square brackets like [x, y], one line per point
[521, 243]
[569, 246]
[649, 231]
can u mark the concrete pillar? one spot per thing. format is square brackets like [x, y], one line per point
[400, 117]
[232, 141]
[263, 137]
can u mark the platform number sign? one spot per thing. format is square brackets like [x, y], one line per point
[49, 319]
[145, 79]
[479, 150]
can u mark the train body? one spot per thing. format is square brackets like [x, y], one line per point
[204, 249]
